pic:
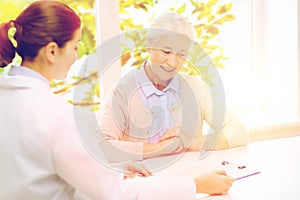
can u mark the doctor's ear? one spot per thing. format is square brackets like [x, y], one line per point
[51, 50]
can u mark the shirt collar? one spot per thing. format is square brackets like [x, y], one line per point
[25, 71]
[149, 89]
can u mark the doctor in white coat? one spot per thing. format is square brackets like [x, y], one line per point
[41, 155]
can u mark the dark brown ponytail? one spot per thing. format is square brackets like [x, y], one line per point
[7, 50]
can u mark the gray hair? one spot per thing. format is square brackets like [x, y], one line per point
[166, 24]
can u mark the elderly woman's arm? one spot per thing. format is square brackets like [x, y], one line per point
[228, 131]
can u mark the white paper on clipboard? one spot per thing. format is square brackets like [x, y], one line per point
[238, 171]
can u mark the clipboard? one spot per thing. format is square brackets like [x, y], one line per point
[238, 172]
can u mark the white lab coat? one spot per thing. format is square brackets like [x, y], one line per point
[42, 158]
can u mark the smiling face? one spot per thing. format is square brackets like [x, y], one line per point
[167, 56]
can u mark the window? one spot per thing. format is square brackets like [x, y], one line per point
[261, 78]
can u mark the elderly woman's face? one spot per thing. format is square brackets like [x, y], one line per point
[168, 54]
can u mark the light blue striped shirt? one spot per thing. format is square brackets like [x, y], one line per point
[158, 102]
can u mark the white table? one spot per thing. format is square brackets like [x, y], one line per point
[278, 160]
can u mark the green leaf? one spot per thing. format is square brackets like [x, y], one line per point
[220, 65]
[224, 8]
[213, 30]
[181, 9]
[211, 18]
[219, 21]
[199, 29]
[194, 3]
[142, 6]
[124, 4]
[125, 58]
[229, 17]
[211, 2]
[213, 47]
[81, 49]
[226, 18]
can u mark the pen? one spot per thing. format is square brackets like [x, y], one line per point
[247, 175]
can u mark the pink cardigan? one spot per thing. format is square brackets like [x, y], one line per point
[125, 123]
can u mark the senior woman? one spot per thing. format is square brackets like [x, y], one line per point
[155, 110]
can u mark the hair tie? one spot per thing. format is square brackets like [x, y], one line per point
[11, 33]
